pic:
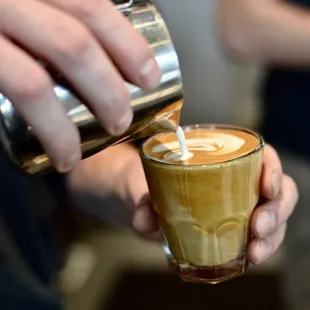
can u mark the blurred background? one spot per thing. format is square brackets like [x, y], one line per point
[107, 266]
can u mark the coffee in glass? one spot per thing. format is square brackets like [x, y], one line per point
[204, 200]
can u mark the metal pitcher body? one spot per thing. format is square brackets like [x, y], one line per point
[154, 111]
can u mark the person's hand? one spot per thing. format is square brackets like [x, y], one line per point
[119, 170]
[268, 225]
[280, 194]
[92, 45]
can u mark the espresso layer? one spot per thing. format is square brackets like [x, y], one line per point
[206, 145]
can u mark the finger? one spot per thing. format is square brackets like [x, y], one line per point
[27, 85]
[269, 216]
[271, 174]
[125, 45]
[144, 219]
[71, 48]
[261, 249]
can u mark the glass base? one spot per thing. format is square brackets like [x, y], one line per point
[203, 274]
[211, 275]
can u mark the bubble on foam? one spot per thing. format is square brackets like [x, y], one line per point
[178, 156]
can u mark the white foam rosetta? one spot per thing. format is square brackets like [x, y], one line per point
[217, 143]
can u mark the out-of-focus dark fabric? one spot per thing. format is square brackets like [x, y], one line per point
[29, 256]
[286, 100]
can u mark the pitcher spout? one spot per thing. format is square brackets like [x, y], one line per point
[166, 120]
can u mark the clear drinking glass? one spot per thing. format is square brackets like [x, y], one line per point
[204, 210]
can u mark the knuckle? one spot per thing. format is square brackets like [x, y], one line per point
[32, 88]
[294, 187]
[135, 48]
[75, 47]
[67, 149]
[85, 9]
[67, 144]
[5, 4]
[281, 213]
[120, 96]
[279, 237]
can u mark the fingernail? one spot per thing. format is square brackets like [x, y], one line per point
[266, 222]
[150, 74]
[276, 183]
[123, 123]
[69, 164]
[263, 250]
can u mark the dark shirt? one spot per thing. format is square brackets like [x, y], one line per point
[286, 99]
[29, 256]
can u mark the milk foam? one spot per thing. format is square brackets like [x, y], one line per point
[184, 154]
[217, 143]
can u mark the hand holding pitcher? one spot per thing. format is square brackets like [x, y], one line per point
[95, 48]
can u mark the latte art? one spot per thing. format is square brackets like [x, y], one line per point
[200, 146]
[218, 144]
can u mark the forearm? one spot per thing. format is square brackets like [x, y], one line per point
[268, 31]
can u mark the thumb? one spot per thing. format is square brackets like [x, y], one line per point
[272, 173]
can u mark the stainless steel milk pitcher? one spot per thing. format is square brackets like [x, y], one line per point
[154, 111]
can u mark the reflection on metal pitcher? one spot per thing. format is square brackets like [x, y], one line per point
[154, 111]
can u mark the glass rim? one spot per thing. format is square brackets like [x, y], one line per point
[261, 144]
